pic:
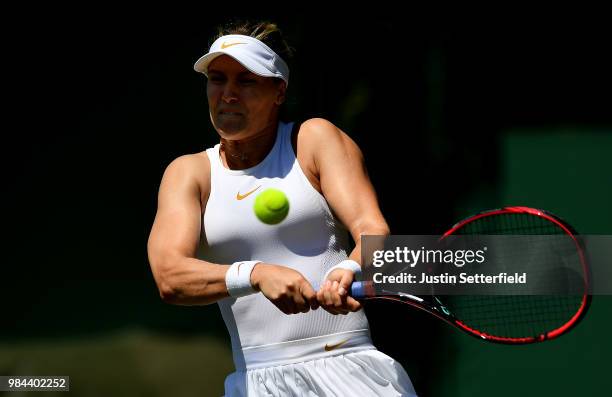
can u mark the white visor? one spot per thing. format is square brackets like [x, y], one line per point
[250, 52]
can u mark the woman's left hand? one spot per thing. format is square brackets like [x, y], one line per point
[333, 294]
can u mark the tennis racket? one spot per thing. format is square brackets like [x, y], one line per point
[508, 319]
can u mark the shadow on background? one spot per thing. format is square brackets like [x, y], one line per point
[452, 119]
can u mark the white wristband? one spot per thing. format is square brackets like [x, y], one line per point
[238, 278]
[348, 264]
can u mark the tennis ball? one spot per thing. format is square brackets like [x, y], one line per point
[271, 206]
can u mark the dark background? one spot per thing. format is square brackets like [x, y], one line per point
[454, 115]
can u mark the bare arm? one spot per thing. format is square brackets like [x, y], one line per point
[181, 278]
[350, 194]
[345, 183]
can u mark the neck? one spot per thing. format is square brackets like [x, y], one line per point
[248, 152]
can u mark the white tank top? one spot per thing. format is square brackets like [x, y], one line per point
[309, 240]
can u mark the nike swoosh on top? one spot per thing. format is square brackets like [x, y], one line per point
[242, 196]
[225, 45]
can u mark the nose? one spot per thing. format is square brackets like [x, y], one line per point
[230, 94]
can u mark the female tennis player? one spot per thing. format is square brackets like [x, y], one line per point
[207, 245]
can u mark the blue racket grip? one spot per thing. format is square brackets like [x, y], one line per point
[358, 289]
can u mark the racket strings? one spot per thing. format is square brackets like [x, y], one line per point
[513, 316]
[524, 316]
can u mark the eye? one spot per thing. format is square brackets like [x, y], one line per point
[215, 78]
[247, 81]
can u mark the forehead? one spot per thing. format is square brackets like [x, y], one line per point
[227, 65]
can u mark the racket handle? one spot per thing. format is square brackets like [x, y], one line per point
[359, 289]
[362, 289]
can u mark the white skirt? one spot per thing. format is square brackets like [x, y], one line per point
[363, 373]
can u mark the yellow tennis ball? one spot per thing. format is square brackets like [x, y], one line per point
[271, 206]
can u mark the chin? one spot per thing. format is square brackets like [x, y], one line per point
[230, 129]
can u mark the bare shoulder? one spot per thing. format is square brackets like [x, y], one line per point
[319, 136]
[192, 166]
[192, 170]
[315, 129]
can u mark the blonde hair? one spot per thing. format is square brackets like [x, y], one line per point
[264, 31]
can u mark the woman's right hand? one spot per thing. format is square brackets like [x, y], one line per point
[286, 288]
